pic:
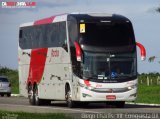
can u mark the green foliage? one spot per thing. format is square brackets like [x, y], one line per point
[152, 58]
[158, 9]
[12, 76]
[148, 94]
[142, 78]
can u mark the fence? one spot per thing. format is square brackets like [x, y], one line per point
[149, 80]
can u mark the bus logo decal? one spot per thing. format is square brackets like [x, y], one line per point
[55, 53]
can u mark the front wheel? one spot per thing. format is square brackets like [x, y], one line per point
[9, 95]
[69, 101]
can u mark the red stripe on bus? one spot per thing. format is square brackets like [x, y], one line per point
[38, 57]
[37, 64]
[44, 21]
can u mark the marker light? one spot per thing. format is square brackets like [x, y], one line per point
[78, 51]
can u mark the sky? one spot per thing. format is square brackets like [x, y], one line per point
[145, 20]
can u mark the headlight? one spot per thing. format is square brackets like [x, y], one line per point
[132, 87]
[89, 87]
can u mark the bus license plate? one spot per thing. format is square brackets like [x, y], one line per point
[111, 97]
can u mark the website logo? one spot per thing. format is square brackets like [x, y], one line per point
[18, 4]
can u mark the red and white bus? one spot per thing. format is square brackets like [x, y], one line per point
[79, 58]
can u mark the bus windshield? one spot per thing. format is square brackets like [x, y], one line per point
[107, 34]
[109, 67]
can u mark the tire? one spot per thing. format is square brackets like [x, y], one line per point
[69, 101]
[9, 95]
[38, 101]
[36, 97]
[120, 104]
[31, 95]
[2, 95]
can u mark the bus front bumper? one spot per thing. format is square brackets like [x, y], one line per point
[89, 95]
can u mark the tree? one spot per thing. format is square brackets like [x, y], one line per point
[152, 59]
[158, 9]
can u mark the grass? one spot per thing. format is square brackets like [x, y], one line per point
[148, 94]
[24, 115]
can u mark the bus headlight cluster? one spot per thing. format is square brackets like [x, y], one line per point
[132, 87]
[89, 87]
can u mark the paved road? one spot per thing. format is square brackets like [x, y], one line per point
[21, 104]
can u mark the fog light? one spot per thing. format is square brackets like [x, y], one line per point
[133, 95]
[86, 95]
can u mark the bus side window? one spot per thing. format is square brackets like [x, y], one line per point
[65, 45]
[73, 32]
[20, 33]
[21, 43]
[63, 36]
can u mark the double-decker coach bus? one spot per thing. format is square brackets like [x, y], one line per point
[78, 58]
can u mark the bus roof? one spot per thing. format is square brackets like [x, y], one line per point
[77, 15]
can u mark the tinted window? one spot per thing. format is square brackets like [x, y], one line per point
[3, 80]
[40, 36]
[105, 34]
[73, 31]
[73, 36]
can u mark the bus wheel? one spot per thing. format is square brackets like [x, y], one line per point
[9, 95]
[120, 104]
[40, 101]
[69, 101]
[31, 95]
[36, 97]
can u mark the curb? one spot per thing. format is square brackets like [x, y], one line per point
[145, 104]
[15, 95]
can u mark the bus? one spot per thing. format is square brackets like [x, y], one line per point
[79, 58]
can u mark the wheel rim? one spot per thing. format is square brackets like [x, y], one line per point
[30, 95]
[69, 96]
[36, 96]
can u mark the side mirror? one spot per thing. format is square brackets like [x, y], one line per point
[142, 50]
[78, 51]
